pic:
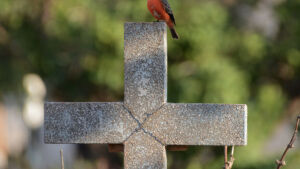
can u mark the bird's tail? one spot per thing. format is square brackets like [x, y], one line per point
[174, 33]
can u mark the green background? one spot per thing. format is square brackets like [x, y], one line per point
[222, 56]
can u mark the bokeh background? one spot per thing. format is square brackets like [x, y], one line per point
[229, 51]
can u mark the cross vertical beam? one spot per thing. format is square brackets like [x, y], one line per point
[145, 57]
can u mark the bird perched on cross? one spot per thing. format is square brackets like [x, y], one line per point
[161, 10]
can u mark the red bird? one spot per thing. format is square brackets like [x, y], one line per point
[161, 10]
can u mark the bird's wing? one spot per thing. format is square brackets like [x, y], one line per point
[168, 9]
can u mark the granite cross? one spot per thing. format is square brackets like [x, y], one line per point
[145, 123]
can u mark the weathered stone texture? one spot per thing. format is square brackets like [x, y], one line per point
[145, 123]
[199, 124]
[145, 52]
[143, 152]
[87, 123]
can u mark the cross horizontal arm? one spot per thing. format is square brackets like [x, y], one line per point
[199, 124]
[87, 123]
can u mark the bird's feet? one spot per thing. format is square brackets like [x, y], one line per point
[156, 20]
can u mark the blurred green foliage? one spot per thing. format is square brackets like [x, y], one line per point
[76, 46]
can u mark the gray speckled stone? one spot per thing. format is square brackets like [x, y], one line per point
[145, 52]
[143, 152]
[87, 123]
[199, 124]
[145, 123]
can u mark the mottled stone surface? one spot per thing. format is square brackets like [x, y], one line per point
[199, 124]
[87, 123]
[145, 123]
[145, 53]
[143, 152]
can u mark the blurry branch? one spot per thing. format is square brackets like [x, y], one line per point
[46, 11]
[228, 164]
[3, 35]
[62, 159]
[281, 162]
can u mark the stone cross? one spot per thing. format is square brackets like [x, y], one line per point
[145, 123]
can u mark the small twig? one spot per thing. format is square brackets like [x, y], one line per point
[62, 159]
[282, 162]
[228, 164]
[225, 157]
